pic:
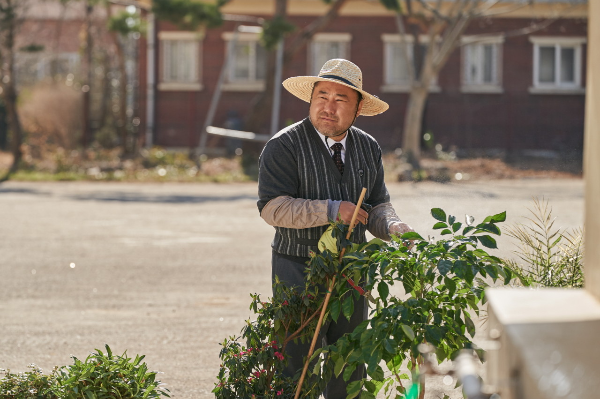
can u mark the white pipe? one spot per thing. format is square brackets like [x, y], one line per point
[150, 80]
[277, 90]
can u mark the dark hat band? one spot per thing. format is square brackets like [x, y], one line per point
[338, 78]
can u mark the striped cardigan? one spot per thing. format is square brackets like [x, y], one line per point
[296, 163]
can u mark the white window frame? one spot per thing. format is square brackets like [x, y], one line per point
[41, 64]
[557, 87]
[390, 38]
[196, 83]
[242, 85]
[482, 87]
[344, 38]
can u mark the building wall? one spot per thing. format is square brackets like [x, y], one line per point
[513, 120]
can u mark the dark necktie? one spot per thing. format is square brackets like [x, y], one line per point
[337, 156]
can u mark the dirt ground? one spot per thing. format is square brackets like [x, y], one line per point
[166, 270]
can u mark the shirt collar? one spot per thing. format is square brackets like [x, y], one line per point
[329, 142]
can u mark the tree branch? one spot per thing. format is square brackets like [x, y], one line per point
[309, 31]
[434, 10]
[410, 68]
[303, 326]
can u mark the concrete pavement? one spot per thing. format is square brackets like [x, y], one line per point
[165, 269]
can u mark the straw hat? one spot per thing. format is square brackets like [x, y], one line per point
[339, 71]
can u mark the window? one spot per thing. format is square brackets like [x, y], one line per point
[482, 61]
[179, 61]
[396, 76]
[557, 65]
[247, 67]
[31, 68]
[326, 46]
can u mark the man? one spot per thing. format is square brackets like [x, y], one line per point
[313, 172]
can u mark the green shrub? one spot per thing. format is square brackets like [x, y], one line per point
[100, 376]
[443, 282]
[28, 385]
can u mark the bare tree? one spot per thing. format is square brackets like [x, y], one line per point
[442, 24]
[87, 73]
[11, 13]
[120, 27]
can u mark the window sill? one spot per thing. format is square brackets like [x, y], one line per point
[173, 86]
[483, 89]
[243, 86]
[390, 88]
[556, 90]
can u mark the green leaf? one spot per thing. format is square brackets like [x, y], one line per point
[470, 326]
[367, 394]
[394, 364]
[444, 266]
[334, 310]
[348, 307]
[433, 334]
[317, 368]
[383, 290]
[500, 217]
[487, 241]
[411, 235]
[408, 332]
[451, 285]
[354, 389]
[339, 366]
[467, 229]
[456, 226]
[445, 231]
[439, 225]
[393, 5]
[348, 371]
[438, 214]
[490, 228]
[497, 218]
[389, 345]
[377, 374]
[451, 219]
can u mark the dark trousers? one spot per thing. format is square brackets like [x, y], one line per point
[290, 271]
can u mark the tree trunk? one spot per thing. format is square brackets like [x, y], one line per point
[261, 105]
[56, 45]
[14, 123]
[122, 119]
[9, 91]
[411, 140]
[86, 86]
[105, 103]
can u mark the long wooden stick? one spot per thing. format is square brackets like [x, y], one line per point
[331, 285]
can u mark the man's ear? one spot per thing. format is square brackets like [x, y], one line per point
[359, 108]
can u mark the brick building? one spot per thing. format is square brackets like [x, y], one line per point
[509, 92]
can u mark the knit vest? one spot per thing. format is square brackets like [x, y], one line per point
[319, 179]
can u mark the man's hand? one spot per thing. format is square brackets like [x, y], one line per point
[347, 210]
[399, 228]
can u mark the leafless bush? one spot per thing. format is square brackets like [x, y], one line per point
[51, 114]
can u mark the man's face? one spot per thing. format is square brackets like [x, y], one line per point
[333, 108]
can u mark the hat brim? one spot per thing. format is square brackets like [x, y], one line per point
[302, 87]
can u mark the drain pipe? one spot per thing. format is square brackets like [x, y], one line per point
[277, 90]
[150, 79]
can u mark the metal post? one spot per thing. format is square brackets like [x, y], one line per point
[277, 89]
[150, 80]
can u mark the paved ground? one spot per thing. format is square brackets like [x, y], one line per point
[165, 269]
